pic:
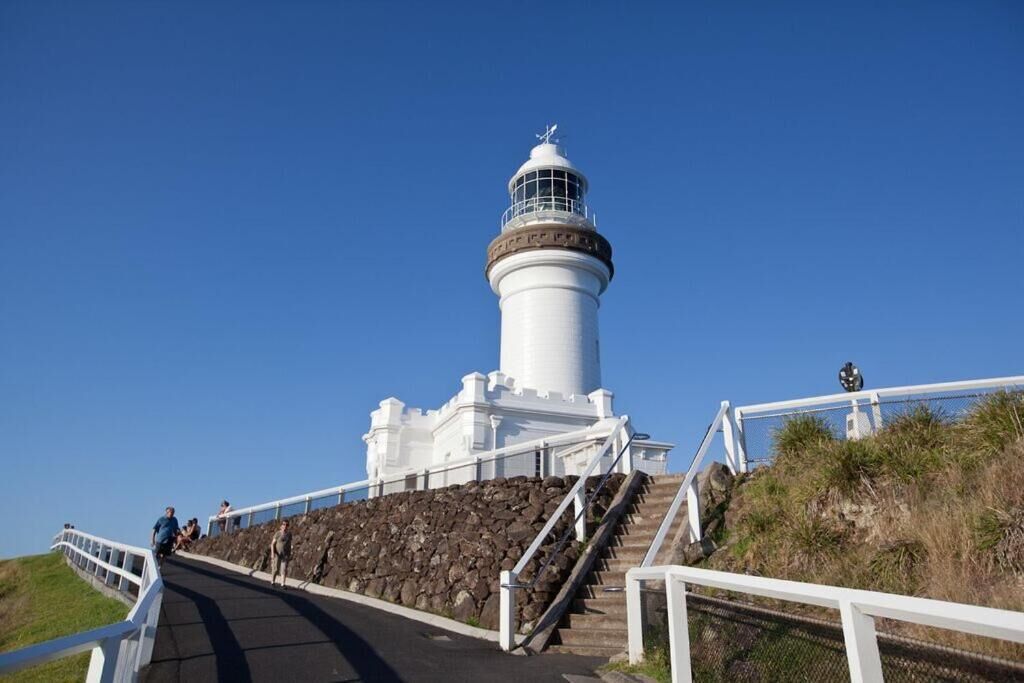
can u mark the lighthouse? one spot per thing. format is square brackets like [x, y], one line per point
[549, 267]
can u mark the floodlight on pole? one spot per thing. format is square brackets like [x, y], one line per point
[850, 377]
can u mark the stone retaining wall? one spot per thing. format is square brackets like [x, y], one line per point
[440, 551]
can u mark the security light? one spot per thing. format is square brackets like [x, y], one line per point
[850, 377]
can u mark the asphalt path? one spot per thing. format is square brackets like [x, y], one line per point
[218, 625]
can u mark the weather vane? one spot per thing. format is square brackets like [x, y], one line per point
[549, 131]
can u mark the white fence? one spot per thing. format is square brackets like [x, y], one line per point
[858, 610]
[859, 414]
[552, 455]
[118, 650]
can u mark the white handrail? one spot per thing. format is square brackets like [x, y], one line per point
[119, 650]
[687, 490]
[858, 610]
[507, 580]
[591, 433]
[868, 394]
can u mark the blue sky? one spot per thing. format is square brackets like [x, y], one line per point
[228, 230]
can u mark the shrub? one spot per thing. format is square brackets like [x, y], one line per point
[799, 435]
[994, 422]
[895, 568]
[848, 464]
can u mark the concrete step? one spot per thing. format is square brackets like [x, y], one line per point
[586, 651]
[607, 578]
[633, 554]
[611, 637]
[599, 592]
[627, 542]
[618, 565]
[595, 621]
[611, 603]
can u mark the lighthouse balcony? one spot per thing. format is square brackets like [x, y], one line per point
[548, 210]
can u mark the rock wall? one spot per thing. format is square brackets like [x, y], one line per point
[440, 551]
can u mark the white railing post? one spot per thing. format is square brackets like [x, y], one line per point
[876, 411]
[277, 512]
[507, 610]
[309, 505]
[678, 630]
[626, 466]
[478, 472]
[741, 440]
[861, 644]
[127, 560]
[634, 620]
[693, 510]
[111, 576]
[103, 663]
[579, 502]
[729, 438]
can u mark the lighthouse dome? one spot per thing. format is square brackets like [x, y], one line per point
[547, 155]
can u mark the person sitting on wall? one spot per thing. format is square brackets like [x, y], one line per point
[281, 553]
[164, 532]
[187, 535]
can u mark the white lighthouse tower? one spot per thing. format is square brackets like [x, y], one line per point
[549, 267]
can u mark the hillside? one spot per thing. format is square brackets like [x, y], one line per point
[41, 598]
[930, 506]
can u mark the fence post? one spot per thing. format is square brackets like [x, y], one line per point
[309, 505]
[634, 620]
[741, 440]
[478, 469]
[103, 663]
[678, 630]
[693, 510]
[126, 564]
[252, 518]
[627, 458]
[507, 610]
[729, 439]
[341, 496]
[876, 410]
[578, 503]
[277, 511]
[109, 580]
[861, 644]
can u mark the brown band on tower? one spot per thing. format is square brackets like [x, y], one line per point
[550, 237]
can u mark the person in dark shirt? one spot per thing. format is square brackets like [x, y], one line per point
[164, 532]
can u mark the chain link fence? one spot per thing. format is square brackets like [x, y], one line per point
[732, 640]
[857, 419]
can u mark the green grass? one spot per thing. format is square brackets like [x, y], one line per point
[41, 598]
[655, 664]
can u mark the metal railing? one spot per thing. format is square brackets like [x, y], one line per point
[539, 208]
[539, 457]
[508, 582]
[119, 650]
[858, 610]
[854, 415]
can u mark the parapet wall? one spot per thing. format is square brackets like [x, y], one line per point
[439, 551]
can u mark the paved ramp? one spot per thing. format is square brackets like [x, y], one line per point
[216, 625]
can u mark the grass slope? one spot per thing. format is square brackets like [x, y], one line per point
[41, 598]
[930, 506]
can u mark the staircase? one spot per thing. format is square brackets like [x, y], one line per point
[596, 623]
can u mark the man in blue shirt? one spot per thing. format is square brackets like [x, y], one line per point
[164, 532]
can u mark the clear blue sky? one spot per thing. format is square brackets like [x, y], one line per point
[228, 230]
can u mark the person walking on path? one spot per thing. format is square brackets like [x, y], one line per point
[281, 553]
[164, 532]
